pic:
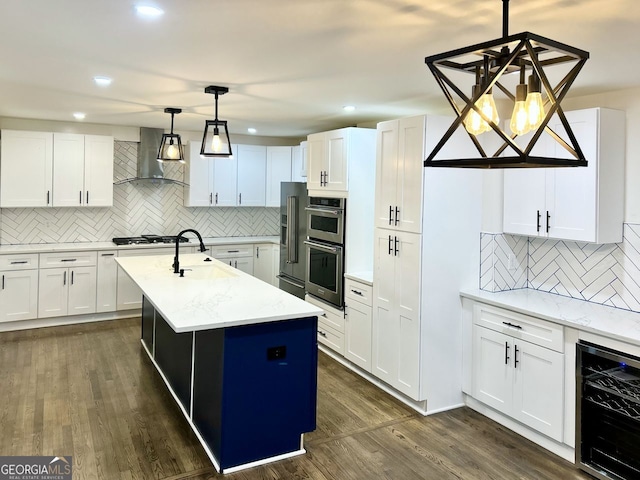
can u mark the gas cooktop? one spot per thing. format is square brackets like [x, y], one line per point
[147, 239]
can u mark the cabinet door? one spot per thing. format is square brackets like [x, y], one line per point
[493, 369]
[315, 150]
[298, 163]
[243, 263]
[524, 201]
[106, 294]
[336, 160]
[26, 169]
[572, 192]
[128, 295]
[538, 388]
[386, 173]
[19, 295]
[68, 170]
[53, 292]
[278, 170]
[98, 171]
[198, 174]
[225, 181]
[409, 176]
[358, 335]
[252, 172]
[82, 290]
[304, 153]
[263, 263]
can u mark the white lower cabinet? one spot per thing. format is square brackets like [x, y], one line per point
[357, 324]
[237, 256]
[66, 291]
[106, 295]
[19, 295]
[330, 326]
[518, 378]
[266, 262]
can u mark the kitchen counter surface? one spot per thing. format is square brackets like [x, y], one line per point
[606, 321]
[211, 294]
[83, 246]
[363, 277]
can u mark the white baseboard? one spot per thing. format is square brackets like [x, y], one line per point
[67, 320]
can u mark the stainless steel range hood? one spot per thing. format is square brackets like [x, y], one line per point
[150, 170]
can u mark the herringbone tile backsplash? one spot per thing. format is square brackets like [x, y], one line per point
[608, 274]
[137, 209]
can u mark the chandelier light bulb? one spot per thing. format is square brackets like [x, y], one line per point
[520, 118]
[473, 122]
[535, 109]
[488, 107]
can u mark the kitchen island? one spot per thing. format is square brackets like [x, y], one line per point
[238, 355]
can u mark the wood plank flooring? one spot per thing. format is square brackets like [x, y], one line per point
[91, 392]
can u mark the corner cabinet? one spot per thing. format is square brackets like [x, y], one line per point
[333, 154]
[581, 203]
[26, 167]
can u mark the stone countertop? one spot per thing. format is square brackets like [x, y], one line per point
[211, 294]
[363, 277]
[611, 322]
[83, 246]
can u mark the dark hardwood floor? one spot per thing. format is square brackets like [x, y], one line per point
[91, 392]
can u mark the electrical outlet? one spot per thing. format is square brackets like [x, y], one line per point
[512, 264]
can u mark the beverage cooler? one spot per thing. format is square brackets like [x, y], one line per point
[608, 413]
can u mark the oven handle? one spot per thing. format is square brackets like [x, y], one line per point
[286, 280]
[324, 210]
[321, 246]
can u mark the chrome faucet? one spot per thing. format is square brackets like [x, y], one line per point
[176, 264]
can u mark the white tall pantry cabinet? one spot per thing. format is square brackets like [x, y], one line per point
[427, 230]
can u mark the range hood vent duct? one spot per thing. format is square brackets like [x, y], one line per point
[150, 170]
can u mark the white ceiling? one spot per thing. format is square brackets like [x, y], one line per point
[290, 65]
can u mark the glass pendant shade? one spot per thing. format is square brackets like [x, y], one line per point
[520, 118]
[171, 146]
[215, 139]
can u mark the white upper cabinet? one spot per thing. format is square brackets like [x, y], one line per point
[82, 170]
[40, 169]
[198, 175]
[26, 163]
[299, 162]
[252, 173]
[225, 181]
[580, 203]
[333, 155]
[399, 174]
[278, 170]
[98, 170]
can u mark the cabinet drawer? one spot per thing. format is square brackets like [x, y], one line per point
[535, 330]
[229, 251]
[332, 317]
[19, 261]
[330, 337]
[360, 292]
[68, 259]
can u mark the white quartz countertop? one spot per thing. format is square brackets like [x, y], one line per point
[363, 277]
[211, 294]
[83, 246]
[606, 321]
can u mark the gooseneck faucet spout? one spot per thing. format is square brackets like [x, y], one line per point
[176, 264]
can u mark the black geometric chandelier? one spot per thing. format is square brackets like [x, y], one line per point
[215, 140]
[171, 146]
[490, 64]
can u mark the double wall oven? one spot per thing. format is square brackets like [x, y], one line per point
[325, 249]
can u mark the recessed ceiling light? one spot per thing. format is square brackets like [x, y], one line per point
[251, 130]
[149, 11]
[79, 116]
[102, 81]
[348, 108]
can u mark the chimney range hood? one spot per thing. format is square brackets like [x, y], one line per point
[149, 169]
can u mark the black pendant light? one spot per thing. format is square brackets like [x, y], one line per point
[171, 146]
[215, 141]
[487, 62]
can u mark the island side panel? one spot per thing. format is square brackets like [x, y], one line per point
[268, 391]
[173, 356]
[148, 313]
